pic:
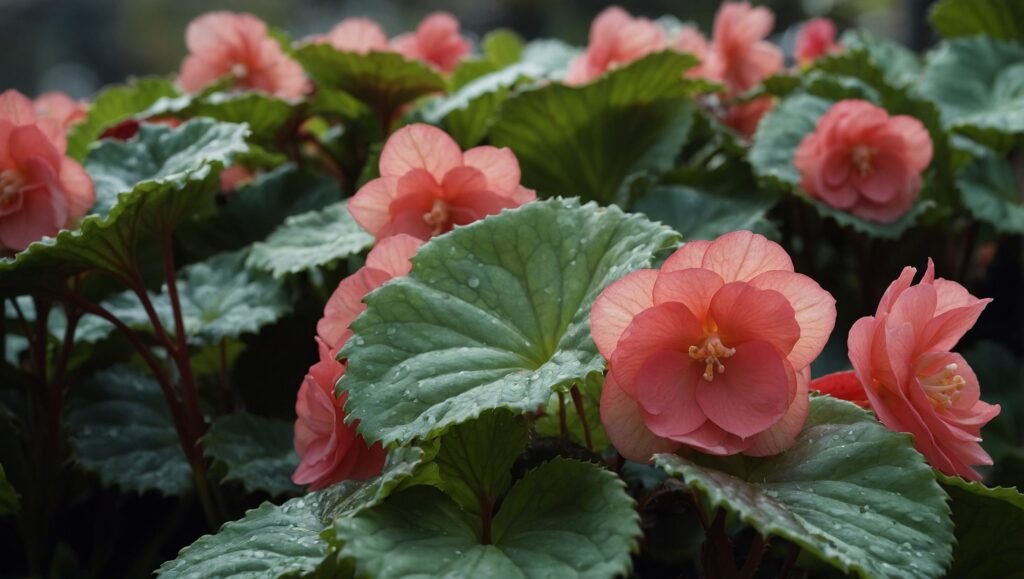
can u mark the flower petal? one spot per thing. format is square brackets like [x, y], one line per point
[752, 394]
[744, 313]
[394, 254]
[782, 435]
[669, 326]
[742, 255]
[499, 166]
[625, 427]
[371, 205]
[666, 389]
[617, 305]
[419, 146]
[689, 256]
[813, 307]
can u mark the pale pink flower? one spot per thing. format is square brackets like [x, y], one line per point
[712, 351]
[41, 190]
[817, 38]
[691, 41]
[861, 160]
[427, 185]
[616, 39]
[915, 384]
[360, 35]
[226, 44]
[61, 108]
[741, 57]
[745, 117]
[437, 42]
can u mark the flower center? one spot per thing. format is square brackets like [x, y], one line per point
[943, 387]
[437, 216]
[861, 156]
[239, 70]
[712, 352]
[10, 185]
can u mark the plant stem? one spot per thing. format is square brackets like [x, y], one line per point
[577, 401]
[563, 430]
[189, 392]
[486, 514]
[757, 549]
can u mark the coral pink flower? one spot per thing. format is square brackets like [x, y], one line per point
[712, 351]
[360, 35]
[691, 41]
[902, 358]
[330, 450]
[741, 57]
[235, 176]
[427, 185]
[861, 160]
[816, 39]
[225, 44]
[436, 42]
[745, 117]
[616, 38]
[842, 385]
[41, 190]
[61, 108]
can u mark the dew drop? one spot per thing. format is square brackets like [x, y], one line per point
[473, 282]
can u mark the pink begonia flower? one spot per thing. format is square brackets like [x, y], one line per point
[330, 450]
[360, 35]
[427, 185]
[233, 177]
[61, 108]
[437, 42]
[616, 39]
[41, 190]
[691, 41]
[901, 359]
[226, 44]
[745, 117]
[817, 38]
[843, 385]
[861, 160]
[915, 384]
[740, 55]
[712, 352]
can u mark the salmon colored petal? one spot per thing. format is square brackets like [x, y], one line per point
[669, 326]
[751, 395]
[606, 26]
[693, 288]
[371, 205]
[895, 289]
[919, 147]
[522, 195]
[81, 194]
[625, 427]
[27, 143]
[782, 435]
[742, 255]
[16, 108]
[394, 255]
[931, 364]
[463, 181]
[666, 389]
[943, 331]
[689, 256]
[410, 222]
[844, 385]
[214, 33]
[915, 306]
[360, 35]
[499, 166]
[858, 346]
[419, 146]
[346, 303]
[814, 309]
[37, 218]
[745, 313]
[617, 305]
[469, 207]
[711, 439]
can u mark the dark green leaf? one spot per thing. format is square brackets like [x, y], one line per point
[698, 213]
[589, 140]
[850, 491]
[1000, 19]
[269, 542]
[310, 240]
[476, 457]
[550, 423]
[10, 502]
[991, 193]
[258, 452]
[898, 64]
[265, 115]
[114, 105]
[989, 529]
[121, 430]
[406, 466]
[493, 315]
[779, 134]
[564, 519]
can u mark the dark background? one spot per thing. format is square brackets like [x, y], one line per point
[80, 45]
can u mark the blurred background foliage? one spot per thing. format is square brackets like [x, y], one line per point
[78, 46]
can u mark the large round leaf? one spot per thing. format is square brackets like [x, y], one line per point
[493, 315]
[310, 240]
[989, 529]
[850, 491]
[113, 105]
[256, 451]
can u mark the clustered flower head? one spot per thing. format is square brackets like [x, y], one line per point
[616, 38]
[863, 161]
[428, 185]
[903, 362]
[330, 450]
[41, 189]
[817, 38]
[712, 351]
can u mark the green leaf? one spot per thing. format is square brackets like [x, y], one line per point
[989, 529]
[114, 105]
[310, 240]
[258, 452]
[159, 179]
[265, 115]
[891, 230]
[1000, 19]
[121, 430]
[405, 466]
[502, 47]
[899, 66]
[383, 80]
[590, 140]
[564, 519]
[269, 542]
[10, 502]
[991, 193]
[978, 84]
[850, 491]
[493, 315]
[476, 457]
[550, 423]
[779, 134]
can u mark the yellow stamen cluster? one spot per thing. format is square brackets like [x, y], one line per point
[944, 387]
[712, 352]
[437, 216]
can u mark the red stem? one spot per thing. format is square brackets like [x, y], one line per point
[577, 401]
[180, 352]
[486, 514]
[757, 549]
